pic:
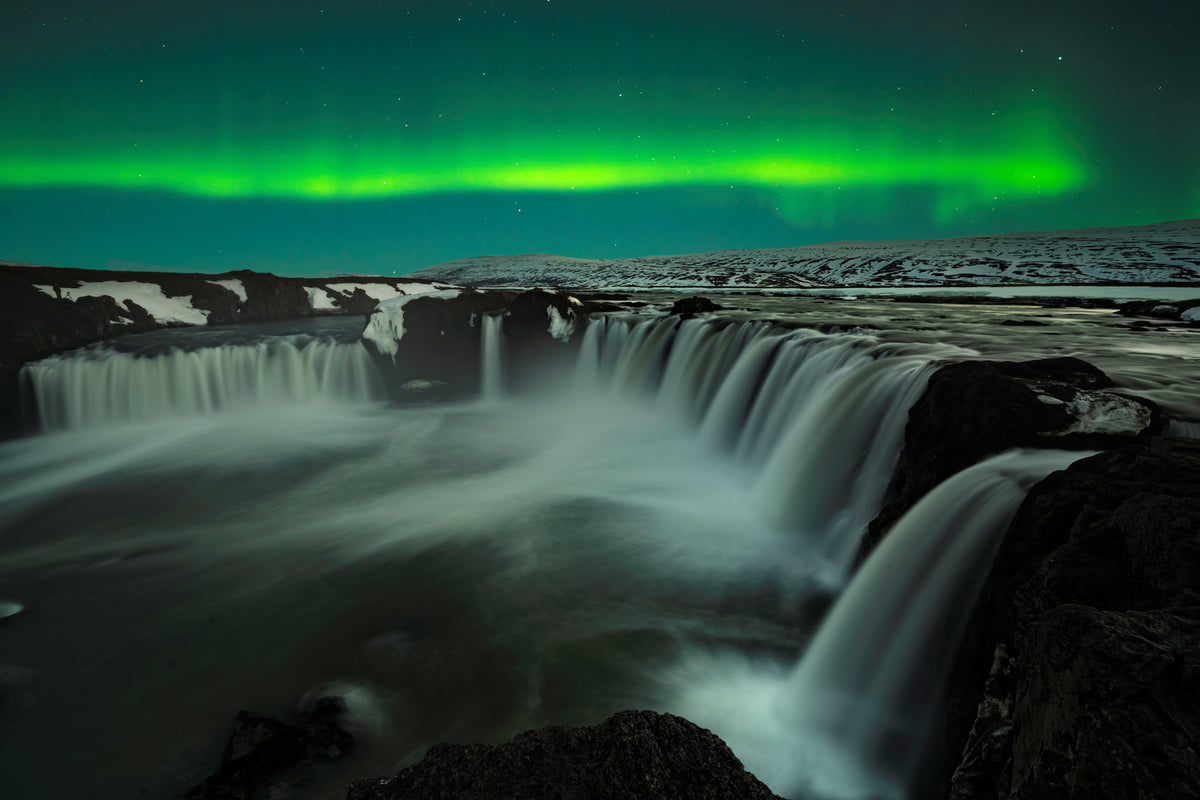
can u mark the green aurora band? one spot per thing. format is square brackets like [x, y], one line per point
[1030, 158]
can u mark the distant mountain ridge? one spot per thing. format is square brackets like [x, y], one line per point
[1167, 252]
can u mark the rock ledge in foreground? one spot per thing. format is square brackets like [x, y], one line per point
[1091, 621]
[632, 754]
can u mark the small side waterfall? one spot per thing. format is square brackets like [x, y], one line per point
[871, 677]
[1184, 428]
[492, 359]
[103, 387]
[851, 719]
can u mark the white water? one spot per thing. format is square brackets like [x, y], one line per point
[852, 717]
[104, 387]
[492, 379]
[651, 538]
[819, 419]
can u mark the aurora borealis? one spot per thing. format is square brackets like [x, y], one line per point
[340, 137]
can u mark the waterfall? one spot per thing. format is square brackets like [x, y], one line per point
[492, 364]
[99, 387]
[684, 580]
[1185, 428]
[818, 418]
[872, 674]
[851, 718]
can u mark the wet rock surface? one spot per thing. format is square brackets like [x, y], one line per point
[633, 754]
[690, 306]
[431, 346]
[1079, 676]
[973, 409]
[428, 348]
[539, 329]
[267, 758]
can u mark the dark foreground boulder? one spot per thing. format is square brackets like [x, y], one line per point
[1079, 676]
[266, 758]
[974, 409]
[633, 754]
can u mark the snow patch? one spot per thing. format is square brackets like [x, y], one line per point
[10, 609]
[320, 299]
[561, 327]
[149, 296]
[1104, 412]
[46, 289]
[385, 328]
[234, 285]
[1191, 315]
[376, 291]
[385, 291]
[1050, 401]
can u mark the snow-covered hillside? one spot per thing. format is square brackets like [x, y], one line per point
[1164, 253]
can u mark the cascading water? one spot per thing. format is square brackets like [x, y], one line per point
[851, 719]
[473, 570]
[1185, 428]
[100, 387]
[492, 364]
[818, 418]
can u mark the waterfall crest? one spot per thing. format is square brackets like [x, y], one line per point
[96, 388]
[818, 418]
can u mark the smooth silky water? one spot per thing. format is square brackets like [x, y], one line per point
[249, 524]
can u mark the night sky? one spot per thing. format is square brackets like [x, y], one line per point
[330, 137]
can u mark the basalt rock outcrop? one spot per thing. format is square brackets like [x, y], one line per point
[538, 327]
[633, 754]
[974, 409]
[430, 346]
[267, 758]
[1079, 676]
[688, 307]
[43, 310]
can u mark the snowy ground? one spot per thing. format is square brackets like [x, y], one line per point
[1164, 253]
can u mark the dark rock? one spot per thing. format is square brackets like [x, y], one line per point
[539, 327]
[688, 306]
[1156, 308]
[973, 409]
[357, 301]
[633, 754]
[1024, 323]
[438, 356]
[1079, 675]
[268, 758]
